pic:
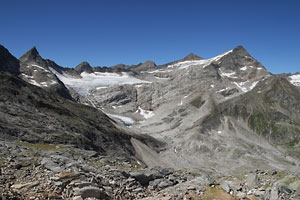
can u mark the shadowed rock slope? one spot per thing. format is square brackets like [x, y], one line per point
[32, 114]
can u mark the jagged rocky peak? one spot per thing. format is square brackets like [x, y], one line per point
[30, 55]
[8, 63]
[146, 65]
[240, 59]
[84, 67]
[192, 56]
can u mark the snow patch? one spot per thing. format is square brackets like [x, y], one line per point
[146, 113]
[161, 78]
[222, 90]
[53, 82]
[126, 120]
[100, 88]
[203, 63]
[295, 79]
[243, 68]
[228, 74]
[180, 104]
[244, 86]
[159, 71]
[37, 66]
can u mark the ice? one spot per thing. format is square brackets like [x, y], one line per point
[33, 82]
[253, 85]
[295, 79]
[88, 82]
[181, 103]
[222, 90]
[243, 85]
[146, 113]
[243, 68]
[228, 74]
[203, 63]
[100, 88]
[53, 82]
[127, 121]
[37, 66]
[161, 78]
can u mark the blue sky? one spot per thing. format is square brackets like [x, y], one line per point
[106, 33]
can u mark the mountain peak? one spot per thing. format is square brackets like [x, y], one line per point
[146, 65]
[84, 67]
[240, 50]
[32, 54]
[192, 56]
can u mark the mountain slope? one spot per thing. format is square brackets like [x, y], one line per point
[30, 113]
[272, 110]
[35, 70]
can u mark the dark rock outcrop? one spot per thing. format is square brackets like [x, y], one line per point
[8, 63]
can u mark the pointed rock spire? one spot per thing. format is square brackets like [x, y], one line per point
[32, 54]
[84, 67]
[192, 56]
[241, 51]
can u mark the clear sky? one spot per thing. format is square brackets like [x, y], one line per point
[109, 32]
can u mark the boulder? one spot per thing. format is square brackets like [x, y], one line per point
[252, 181]
[90, 191]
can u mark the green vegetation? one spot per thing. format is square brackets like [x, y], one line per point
[258, 123]
[41, 147]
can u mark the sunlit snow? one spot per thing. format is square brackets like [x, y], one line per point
[243, 85]
[202, 63]
[228, 74]
[243, 68]
[127, 121]
[146, 113]
[295, 79]
[37, 66]
[99, 80]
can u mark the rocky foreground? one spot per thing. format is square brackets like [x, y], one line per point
[45, 171]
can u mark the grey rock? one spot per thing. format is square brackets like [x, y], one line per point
[285, 189]
[252, 181]
[164, 184]
[142, 177]
[225, 187]
[87, 192]
[49, 164]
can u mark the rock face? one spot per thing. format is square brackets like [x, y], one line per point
[8, 63]
[31, 114]
[210, 118]
[35, 70]
[83, 67]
